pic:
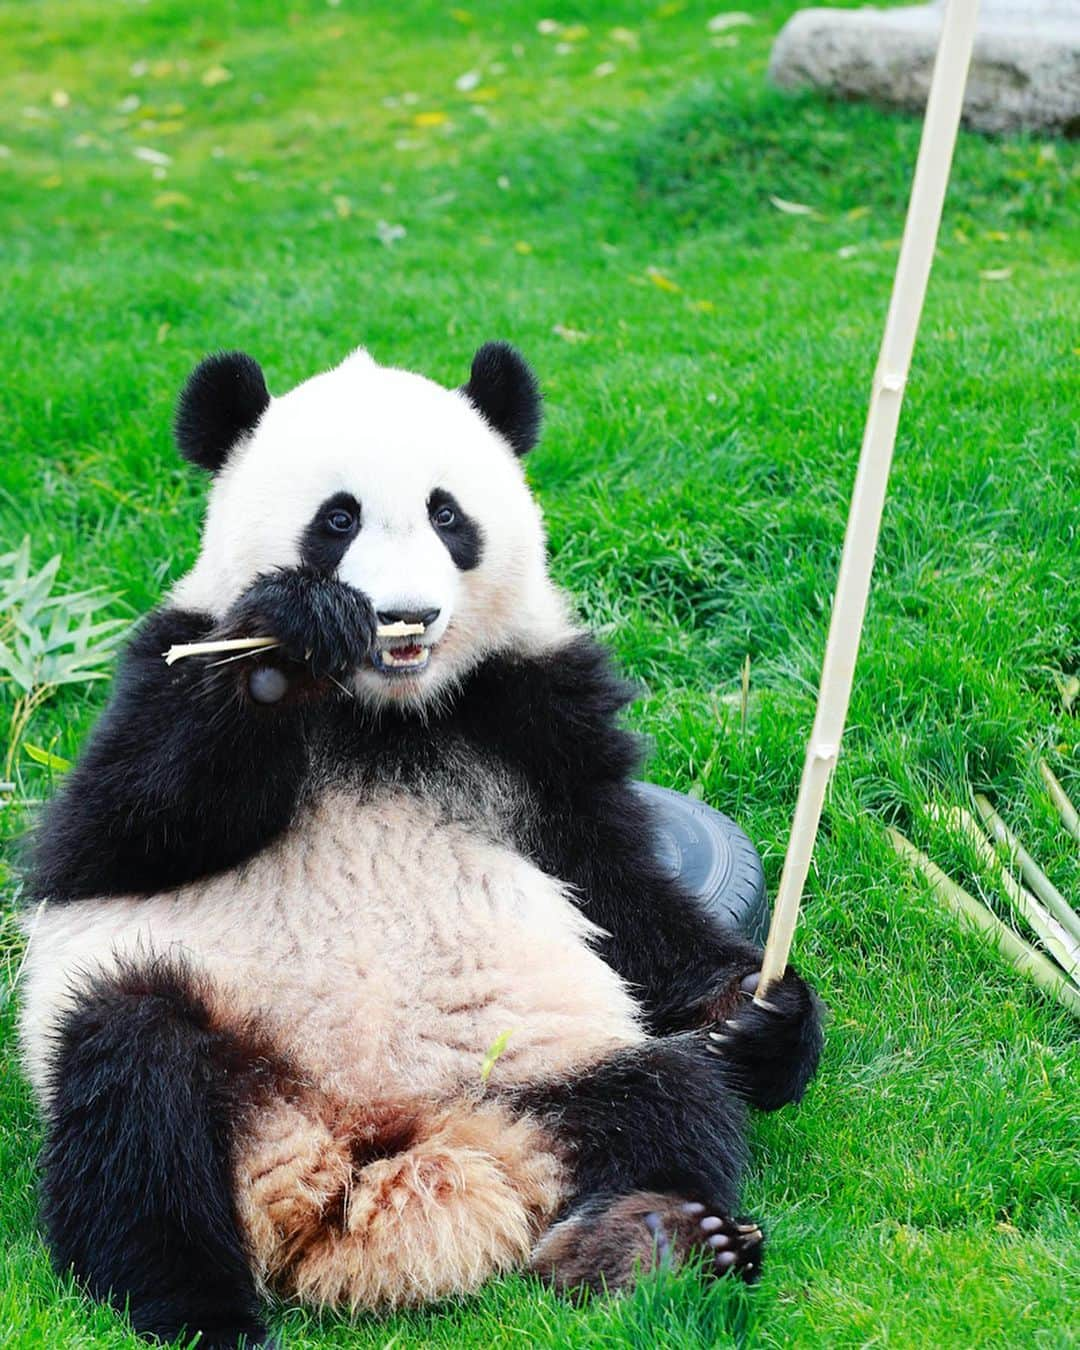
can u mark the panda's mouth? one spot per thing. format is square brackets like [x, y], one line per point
[407, 658]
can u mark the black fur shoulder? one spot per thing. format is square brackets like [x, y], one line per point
[557, 715]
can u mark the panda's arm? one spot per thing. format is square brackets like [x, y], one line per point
[685, 970]
[593, 831]
[184, 775]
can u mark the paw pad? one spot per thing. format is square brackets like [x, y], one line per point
[732, 1246]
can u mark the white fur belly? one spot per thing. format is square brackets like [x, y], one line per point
[387, 951]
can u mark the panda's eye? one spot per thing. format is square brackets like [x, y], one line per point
[443, 518]
[340, 520]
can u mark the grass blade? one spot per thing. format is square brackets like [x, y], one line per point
[974, 914]
[1070, 817]
[1030, 870]
[1054, 936]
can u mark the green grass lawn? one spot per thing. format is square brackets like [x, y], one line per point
[602, 195]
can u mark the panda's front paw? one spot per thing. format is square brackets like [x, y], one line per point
[319, 621]
[773, 1047]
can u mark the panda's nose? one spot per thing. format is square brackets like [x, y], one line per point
[425, 616]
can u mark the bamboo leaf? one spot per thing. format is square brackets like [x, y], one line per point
[19, 563]
[57, 763]
[16, 668]
[49, 639]
[34, 592]
[498, 1045]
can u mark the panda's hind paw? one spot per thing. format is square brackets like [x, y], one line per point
[607, 1243]
[729, 1246]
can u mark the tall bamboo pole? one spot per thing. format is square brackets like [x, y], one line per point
[943, 110]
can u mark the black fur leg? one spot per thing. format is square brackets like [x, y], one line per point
[658, 1117]
[136, 1193]
[772, 1051]
[319, 620]
[658, 1121]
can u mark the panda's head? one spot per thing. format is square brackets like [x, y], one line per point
[412, 493]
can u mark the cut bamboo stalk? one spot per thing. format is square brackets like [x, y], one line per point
[180, 650]
[1054, 936]
[940, 126]
[969, 911]
[400, 629]
[1070, 817]
[1030, 870]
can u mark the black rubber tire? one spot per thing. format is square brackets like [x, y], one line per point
[712, 857]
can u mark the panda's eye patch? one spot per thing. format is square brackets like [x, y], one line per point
[338, 515]
[459, 533]
[330, 532]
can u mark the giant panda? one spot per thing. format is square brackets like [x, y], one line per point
[352, 975]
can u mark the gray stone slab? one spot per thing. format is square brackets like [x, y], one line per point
[1025, 70]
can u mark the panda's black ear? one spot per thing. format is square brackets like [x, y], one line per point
[503, 388]
[223, 400]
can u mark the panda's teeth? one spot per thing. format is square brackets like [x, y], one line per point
[413, 657]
